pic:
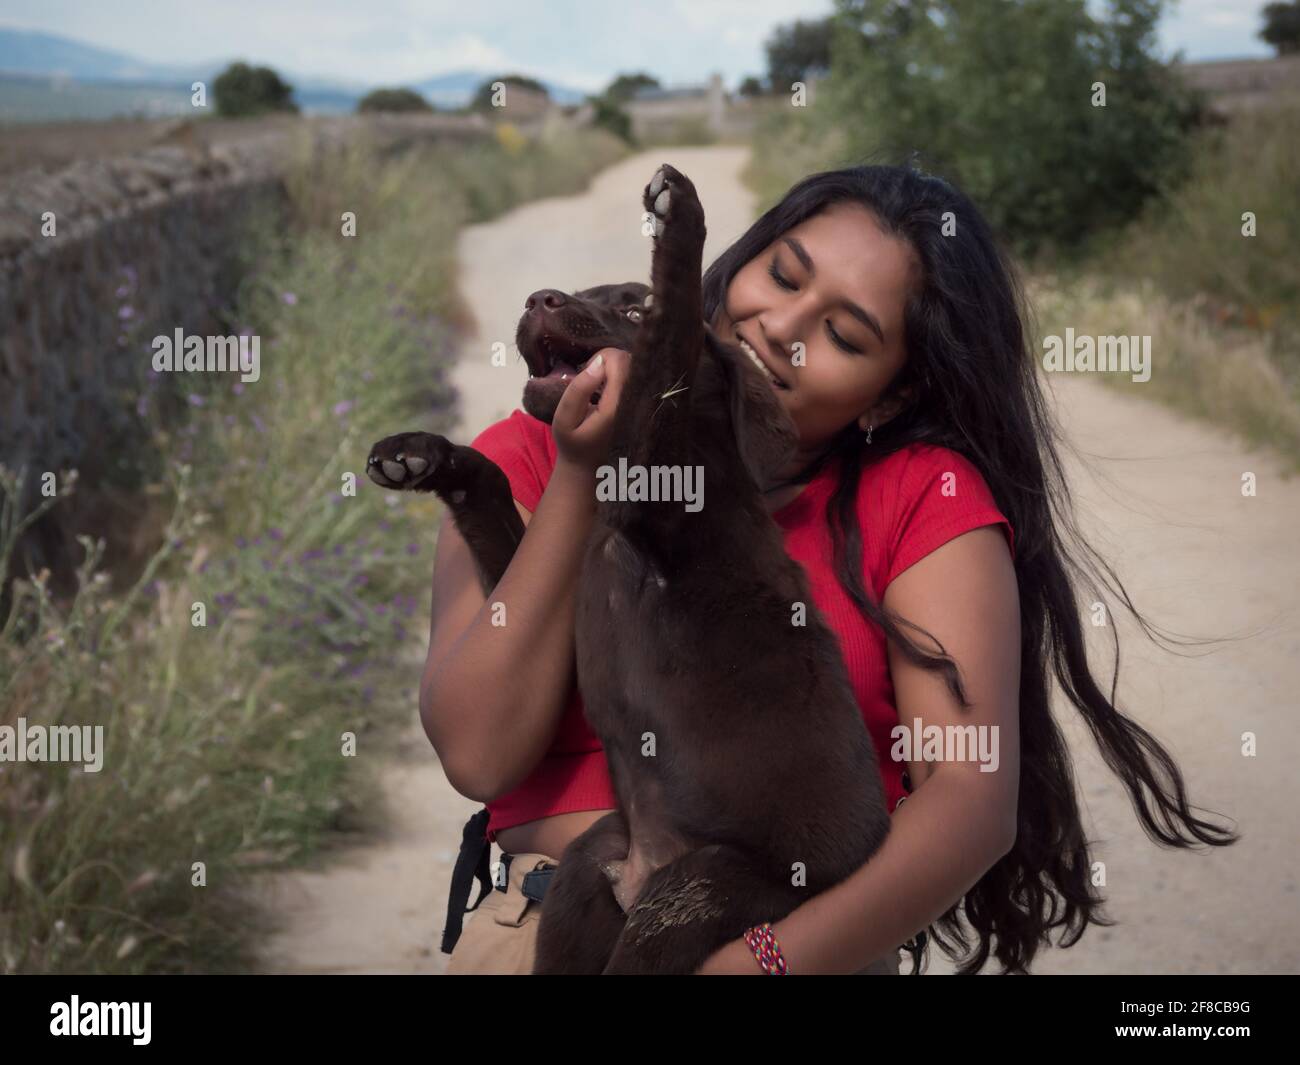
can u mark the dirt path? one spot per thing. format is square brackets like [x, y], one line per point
[381, 908]
[1167, 512]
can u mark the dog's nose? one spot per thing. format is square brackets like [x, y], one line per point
[550, 298]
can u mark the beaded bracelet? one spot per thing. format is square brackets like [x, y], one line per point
[762, 941]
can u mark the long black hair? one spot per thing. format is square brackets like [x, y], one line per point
[975, 389]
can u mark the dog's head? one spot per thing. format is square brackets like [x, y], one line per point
[559, 333]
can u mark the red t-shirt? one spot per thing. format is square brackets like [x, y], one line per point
[909, 503]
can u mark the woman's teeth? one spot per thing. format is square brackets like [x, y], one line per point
[753, 357]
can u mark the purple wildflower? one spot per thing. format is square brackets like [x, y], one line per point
[342, 408]
[290, 298]
[196, 400]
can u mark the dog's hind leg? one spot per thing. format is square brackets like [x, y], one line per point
[470, 484]
[695, 905]
[581, 920]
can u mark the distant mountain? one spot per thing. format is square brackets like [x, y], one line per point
[52, 60]
[47, 55]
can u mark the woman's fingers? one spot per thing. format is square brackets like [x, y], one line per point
[604, 374]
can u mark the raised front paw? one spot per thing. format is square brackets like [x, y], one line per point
[410, 461]
[671, 199]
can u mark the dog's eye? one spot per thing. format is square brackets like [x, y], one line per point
[634, 313]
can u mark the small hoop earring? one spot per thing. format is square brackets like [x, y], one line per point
[868, 433]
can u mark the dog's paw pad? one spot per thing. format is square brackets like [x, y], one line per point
[408, 461]
[657, 182]
[670, 200]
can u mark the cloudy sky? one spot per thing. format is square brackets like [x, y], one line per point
[580, 43]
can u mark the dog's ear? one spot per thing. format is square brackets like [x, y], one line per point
[764, 434]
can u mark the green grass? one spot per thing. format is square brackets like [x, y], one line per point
[224, 742]
[1222, 308]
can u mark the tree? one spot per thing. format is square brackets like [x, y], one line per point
[798, 51]
[626, 86]
[482, 99]
[242, 90]
[393, 100]
[751, 86]
[607, 114]
[1005, 100]
[1282, 27]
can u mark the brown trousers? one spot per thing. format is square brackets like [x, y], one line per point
[499, 938]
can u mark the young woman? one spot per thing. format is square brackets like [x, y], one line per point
[928, 507]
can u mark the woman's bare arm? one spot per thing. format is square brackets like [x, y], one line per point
[500, 667]
[959, 821]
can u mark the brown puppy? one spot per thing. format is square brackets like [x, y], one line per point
[745, 776]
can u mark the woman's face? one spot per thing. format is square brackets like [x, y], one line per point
[848, 282]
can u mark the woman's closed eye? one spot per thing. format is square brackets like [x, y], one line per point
[836, 339]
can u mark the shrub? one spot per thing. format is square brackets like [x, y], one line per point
[398, 100]
[1002, 99]
[242, 90]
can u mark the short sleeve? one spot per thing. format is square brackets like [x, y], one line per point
[518, 445]
[940, 496]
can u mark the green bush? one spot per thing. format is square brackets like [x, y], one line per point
[242, 90]
[608, 114]
[399, 100]
[1000, 98]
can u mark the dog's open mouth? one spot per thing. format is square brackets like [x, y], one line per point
[560, 358]
[552, 362]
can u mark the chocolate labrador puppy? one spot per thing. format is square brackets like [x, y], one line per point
[746, 780]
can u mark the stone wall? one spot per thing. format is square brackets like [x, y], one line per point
[141, 244]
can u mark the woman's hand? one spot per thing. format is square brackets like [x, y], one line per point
[582, 429]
